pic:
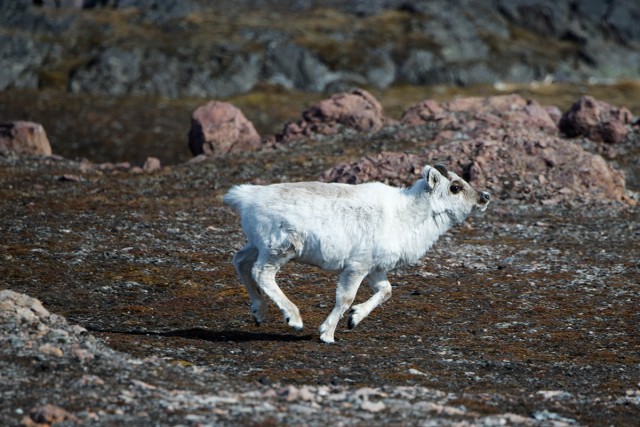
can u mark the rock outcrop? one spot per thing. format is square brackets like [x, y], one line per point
[28, 326]
[507, 144]
[24, 138]
[315, 45]
[357, 110]
[219, 128]
[597, 121]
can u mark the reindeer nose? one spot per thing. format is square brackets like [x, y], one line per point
[486, 196]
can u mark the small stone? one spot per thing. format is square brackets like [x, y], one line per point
[413, 371]
[70, 178]
[305, 394]
[50, 414]
[370, 406]
[89, 381]
[82, 354]
[143, 385]
[50, 350]
[152, 164]
[554, 394]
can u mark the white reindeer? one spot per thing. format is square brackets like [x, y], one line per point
[363, 231]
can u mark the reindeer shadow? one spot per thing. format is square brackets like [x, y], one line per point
[213, 336]
[234, 336]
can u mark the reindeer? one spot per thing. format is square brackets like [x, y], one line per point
[362, 231]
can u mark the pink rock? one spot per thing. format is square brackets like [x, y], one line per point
[554, 112]
[49, 414]
[219, 128]
[493, 110]
[389, 167]
[533, 167]
[506, 145]
[152, 164]
[596, 120]
[422, 112]
[50, 350]
[357, 110]
[24, 138]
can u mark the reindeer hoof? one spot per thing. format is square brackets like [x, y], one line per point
[297, 325]
[352, 323]
[327, 339]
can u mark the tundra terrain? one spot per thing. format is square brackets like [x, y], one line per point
[527, 314]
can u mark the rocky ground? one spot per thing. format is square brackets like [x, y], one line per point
[219, 49]
[526, 315]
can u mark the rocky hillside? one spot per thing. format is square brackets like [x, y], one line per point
[219, 49]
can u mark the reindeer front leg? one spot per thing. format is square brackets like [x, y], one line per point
[348, 284]
[381, 287]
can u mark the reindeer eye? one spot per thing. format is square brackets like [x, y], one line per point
[455, 188]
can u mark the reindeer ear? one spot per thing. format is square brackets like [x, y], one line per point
[431, 178]
[442, 169]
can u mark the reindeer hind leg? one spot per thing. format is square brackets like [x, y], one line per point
[264, 272]
[243, 261]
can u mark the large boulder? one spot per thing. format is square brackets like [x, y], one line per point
[596, 120]
[357, 110]
[24, 138]
[219, 128]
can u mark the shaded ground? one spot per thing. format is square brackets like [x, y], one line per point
[527, 310]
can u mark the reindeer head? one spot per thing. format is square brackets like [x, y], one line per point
[451, 195]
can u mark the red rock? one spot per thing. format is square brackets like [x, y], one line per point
[219, 128]
[389, 167]
[554, 112]
[422, 112]
[513, 109]
[506, 145]
[24, 138]
[596, 120]
[533, 167]
[49, 414]
[357, 110]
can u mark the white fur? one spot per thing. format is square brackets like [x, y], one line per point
[363, 231]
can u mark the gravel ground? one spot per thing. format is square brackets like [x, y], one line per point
[526, 315]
